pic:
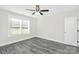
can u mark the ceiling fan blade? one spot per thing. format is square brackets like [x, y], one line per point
[30, 9]
[44, 10]
[41, 13]
[33, 13]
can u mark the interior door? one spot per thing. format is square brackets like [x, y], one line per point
[71, 30]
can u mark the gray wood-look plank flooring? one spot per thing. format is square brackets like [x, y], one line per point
[38, 46]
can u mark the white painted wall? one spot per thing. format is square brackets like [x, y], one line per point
[3, 26]
[51, 26]
[4, 39]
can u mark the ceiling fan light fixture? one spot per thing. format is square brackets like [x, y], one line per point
[37, 10]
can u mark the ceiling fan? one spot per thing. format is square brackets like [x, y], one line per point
[37, 9]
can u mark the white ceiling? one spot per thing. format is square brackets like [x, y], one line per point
[54, 8]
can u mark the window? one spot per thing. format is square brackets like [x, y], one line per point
[25, 27]
[18, 26]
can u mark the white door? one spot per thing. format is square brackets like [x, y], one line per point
[71, 31]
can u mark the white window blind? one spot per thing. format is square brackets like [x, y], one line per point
[18, 26]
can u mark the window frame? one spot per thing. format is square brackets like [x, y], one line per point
[20, 28]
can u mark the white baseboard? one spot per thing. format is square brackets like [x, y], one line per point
[7, 42]
[50, 39]
[54, 40]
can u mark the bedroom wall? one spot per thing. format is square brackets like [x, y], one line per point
[3, 26]
[4, 39]
[51, 26]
